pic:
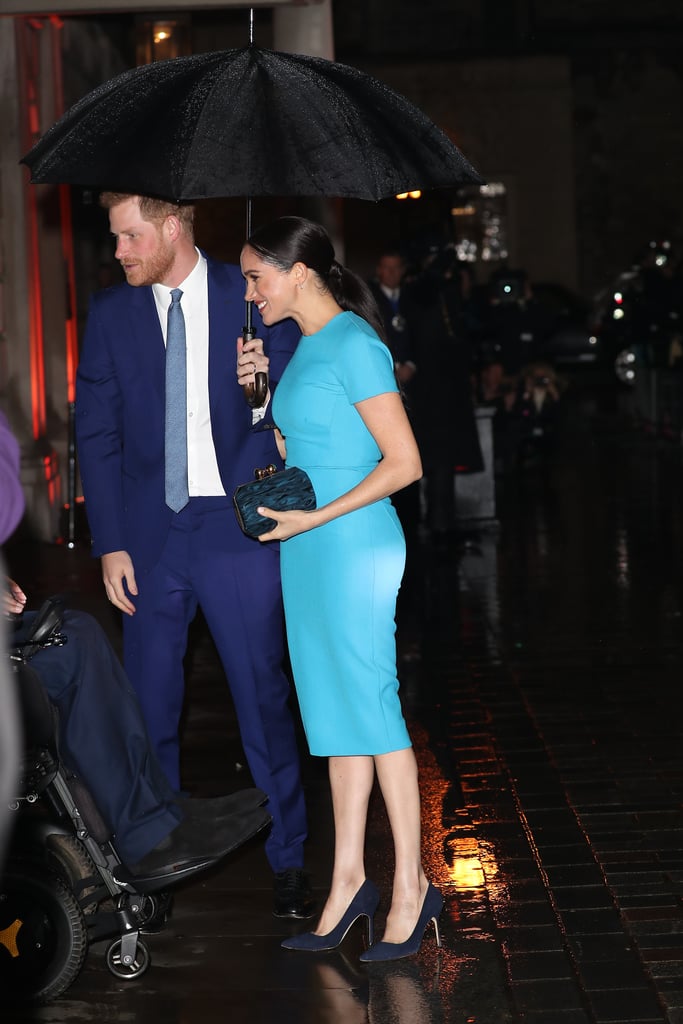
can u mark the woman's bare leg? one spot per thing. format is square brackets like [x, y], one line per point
[397, 776]
[351, 781]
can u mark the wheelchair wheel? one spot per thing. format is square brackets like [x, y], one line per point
[43, 934]
[127, 971]
[69, 858]
[155, 912]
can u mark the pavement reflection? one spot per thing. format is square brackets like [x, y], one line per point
[540, 671]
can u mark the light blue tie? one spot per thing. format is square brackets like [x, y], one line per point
[177, 495]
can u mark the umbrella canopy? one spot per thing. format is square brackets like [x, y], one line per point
[247, 122]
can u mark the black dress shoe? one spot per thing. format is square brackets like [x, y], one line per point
[210, 809]
[292, 895]
[194, 842]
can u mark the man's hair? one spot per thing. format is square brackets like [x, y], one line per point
[394, 254]
[154, 210]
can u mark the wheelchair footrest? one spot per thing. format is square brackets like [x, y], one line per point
[155, 883]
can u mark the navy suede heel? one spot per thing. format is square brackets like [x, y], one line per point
[363, 904]
[431, 908]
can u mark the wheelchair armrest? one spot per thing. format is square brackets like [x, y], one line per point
[49, 618]
[44, 630]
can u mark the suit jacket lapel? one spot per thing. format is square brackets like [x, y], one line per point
[146, 335]
[226, 305]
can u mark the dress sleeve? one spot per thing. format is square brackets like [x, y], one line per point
[366, 366]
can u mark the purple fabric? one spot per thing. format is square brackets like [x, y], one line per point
[11, 494]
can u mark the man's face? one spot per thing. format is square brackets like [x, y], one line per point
[390, 271]
[143, 249]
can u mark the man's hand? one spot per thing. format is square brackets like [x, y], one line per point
[13, 598]
[117, 569]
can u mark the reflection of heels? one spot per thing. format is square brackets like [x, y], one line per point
[431, 908]
[363, 904]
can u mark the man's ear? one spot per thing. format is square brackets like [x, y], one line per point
[172, 227]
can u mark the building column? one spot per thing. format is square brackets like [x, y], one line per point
[306, 27]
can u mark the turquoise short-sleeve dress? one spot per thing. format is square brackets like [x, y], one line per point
[340, 580]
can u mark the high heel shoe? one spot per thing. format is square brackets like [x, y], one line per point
[363, 904]
[431, 908]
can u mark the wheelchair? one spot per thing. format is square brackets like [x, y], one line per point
[63, 885]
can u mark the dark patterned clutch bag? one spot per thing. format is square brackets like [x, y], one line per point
[282, 490]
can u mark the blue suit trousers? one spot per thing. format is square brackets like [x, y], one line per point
[240, 597]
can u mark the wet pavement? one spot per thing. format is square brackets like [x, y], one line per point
[541, 666]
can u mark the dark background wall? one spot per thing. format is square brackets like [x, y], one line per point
[575, 104]
[626, 83]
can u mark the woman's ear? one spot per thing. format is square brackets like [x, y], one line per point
[300, 271]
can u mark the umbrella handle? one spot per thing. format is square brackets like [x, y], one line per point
[254, 394]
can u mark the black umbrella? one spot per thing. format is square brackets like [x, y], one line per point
[248, 122]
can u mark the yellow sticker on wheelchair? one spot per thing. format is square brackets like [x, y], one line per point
[8, 937]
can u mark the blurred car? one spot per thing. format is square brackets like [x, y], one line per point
[570, 339]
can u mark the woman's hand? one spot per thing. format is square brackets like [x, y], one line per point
[289, 524]
[251, 360]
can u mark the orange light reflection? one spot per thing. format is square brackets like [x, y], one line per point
[452, 853]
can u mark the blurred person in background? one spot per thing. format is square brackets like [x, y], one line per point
[533, 414]
[393, 302]
[392, 296]
[445, 328]
[11, 511]
[11, 494]
[513, 328]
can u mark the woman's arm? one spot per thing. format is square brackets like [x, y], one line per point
[386, 419]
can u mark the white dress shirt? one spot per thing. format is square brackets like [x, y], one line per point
[203, 477]
[393, 294]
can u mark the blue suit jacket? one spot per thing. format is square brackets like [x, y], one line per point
[120, 412]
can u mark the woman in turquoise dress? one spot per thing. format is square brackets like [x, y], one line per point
[341, 418]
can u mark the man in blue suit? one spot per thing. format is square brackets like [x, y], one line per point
[11, 511]
[158, 564]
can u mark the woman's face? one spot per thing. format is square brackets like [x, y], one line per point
[272, 290]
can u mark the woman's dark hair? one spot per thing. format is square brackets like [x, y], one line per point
[291, 240]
